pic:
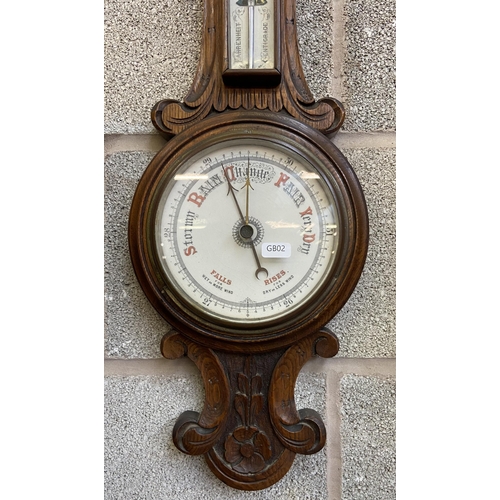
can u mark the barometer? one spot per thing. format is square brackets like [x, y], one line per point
[248, 232]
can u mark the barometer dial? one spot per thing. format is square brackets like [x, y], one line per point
[247, 231]
[244, 230]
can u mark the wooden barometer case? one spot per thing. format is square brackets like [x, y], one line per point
[248, 232]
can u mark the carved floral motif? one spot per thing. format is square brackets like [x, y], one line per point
[250, 436]
[248, 448]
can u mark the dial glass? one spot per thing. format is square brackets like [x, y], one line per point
[247, 231]
[251, 34]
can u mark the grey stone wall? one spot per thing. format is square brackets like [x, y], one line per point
[348, 51]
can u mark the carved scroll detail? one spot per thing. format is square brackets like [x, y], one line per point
[208, 92]
[195, 433]
[249, 429]
[300, 431]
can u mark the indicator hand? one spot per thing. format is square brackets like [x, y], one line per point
[248, 186]
[259, 269]
[247, 230]
[232, 189]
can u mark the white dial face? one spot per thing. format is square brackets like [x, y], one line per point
[247, 231]
[251, 34]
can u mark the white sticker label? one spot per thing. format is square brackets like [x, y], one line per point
[276, 250]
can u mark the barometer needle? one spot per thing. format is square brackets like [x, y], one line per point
[231, 190]
[248, 186]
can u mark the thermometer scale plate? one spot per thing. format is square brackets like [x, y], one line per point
[252, 48]
[251, 36]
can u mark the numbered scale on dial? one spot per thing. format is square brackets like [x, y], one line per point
[247, 231]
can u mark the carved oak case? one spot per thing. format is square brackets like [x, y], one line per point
[248, 232]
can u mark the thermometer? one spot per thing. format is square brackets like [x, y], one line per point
[251, 29]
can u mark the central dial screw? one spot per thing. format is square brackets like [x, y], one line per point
[246, 231]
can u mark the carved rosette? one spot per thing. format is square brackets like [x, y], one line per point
[249, 429]
[208, 92]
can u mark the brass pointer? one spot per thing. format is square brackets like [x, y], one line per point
[248, 186]
[246, 231]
